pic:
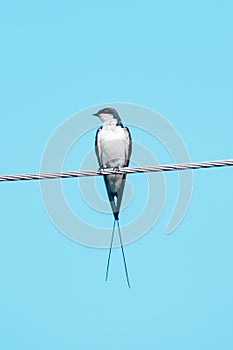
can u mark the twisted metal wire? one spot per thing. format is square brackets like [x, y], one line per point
[125, 170]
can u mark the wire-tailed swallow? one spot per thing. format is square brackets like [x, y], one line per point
[113, 147]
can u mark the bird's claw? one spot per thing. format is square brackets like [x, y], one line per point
[102, 168]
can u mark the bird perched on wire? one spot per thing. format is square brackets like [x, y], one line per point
[113, 147]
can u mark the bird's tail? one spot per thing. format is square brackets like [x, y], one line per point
[122, 250]
[110, 250]
[123, 254]
[115, 205]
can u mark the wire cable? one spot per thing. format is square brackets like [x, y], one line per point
[125, 170]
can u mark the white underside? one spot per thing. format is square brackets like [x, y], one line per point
[113, 147]
[113, 143]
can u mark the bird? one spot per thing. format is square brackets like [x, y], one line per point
[113, 146]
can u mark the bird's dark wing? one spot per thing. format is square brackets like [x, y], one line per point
[128, 151]
[98, 147]
[128, 146]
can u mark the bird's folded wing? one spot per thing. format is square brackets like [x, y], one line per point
[98, 147]
[128, 148]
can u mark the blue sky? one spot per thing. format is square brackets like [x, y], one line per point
[58, 58]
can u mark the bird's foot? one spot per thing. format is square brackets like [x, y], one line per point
[102, 168]
[116, 168]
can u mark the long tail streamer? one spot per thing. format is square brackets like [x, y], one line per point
[122, 250]
[123, 254]
[110, 251]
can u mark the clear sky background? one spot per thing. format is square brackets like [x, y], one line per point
[59, 57]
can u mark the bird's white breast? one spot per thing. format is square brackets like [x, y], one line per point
[112, 142]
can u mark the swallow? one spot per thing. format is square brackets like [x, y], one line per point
[113, 146]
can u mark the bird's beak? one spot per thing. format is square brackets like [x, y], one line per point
[95, 114]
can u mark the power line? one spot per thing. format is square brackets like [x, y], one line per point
[125, 170]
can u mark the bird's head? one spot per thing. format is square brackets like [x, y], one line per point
[108, 114]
